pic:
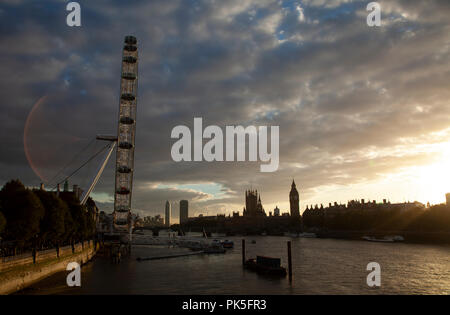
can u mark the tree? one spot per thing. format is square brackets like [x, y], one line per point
[92, 214]
[23, 211]
[78, 214]
[52, 225]
[69, 226]
[2, 222]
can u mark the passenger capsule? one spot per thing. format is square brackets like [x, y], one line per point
[123, 191]
[126, 120]
[123, 169]
[128, 76]
[129, 59]
[123, 209]
[125, 145]
[130, 48]
[130, 40]
[128, 97]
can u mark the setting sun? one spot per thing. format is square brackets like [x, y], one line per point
[434, 180]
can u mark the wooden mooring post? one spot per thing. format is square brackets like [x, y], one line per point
[289, 261]
[243, 252]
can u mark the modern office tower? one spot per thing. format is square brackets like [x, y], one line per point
[168, 212]
[294, 201]
[184, 214]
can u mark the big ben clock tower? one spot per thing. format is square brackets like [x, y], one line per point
[294, 201]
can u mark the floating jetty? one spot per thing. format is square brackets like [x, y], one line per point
[386, 239]
[169, 256]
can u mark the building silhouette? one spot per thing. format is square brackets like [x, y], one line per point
[78, 192]
[168, 212]
[253, 221]
[447, 197]
[294, 201]
[276, 212]
[335, 209]
[253, 205]
[184, 212]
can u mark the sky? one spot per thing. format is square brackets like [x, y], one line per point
[363, 112]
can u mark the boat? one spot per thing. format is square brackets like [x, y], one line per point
[214, 248]
[307, 235]
[192, 245]
[304, 235]
[386, 239]
[227, 244]
[266, 266]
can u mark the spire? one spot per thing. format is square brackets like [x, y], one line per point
[293, 186]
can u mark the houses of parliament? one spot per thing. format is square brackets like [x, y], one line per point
[254, 208]
[254, 219]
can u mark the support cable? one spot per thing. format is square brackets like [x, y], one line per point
[71, 161]
[90, 159]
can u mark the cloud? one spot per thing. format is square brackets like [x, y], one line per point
[339, 90]
[301, 14]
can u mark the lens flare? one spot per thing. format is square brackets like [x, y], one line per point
[47, 139]
[26, 144]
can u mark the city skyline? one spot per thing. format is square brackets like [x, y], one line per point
[363, 112]
[272, 211]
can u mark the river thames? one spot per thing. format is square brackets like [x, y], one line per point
[320, 266]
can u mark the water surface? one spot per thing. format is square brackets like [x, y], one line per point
[320, 266]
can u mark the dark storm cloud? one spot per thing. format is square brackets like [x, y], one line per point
[337, 88]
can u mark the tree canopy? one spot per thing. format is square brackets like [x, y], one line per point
[2, 222]
[29, 217]
[52, 225]
[23, 211]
